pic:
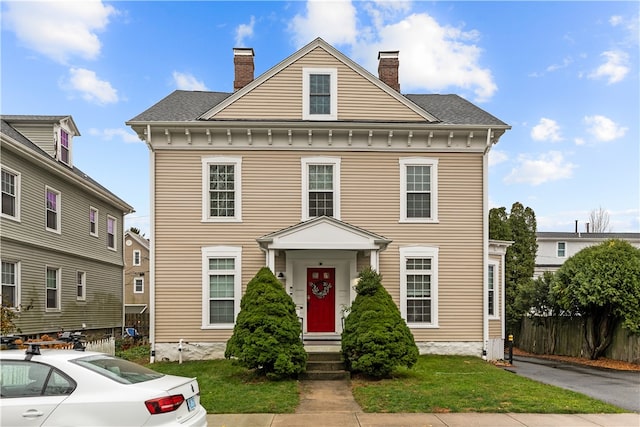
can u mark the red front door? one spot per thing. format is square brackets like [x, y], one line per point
[321, 299]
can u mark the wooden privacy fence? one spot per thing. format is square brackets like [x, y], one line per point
[564, 336]
[140, 321]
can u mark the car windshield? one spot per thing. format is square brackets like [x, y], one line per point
[119, 370]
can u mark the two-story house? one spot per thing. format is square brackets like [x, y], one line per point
[316, 169]
[61, 233]
[136, 273]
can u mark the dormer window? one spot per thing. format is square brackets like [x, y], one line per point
[64, 153]
[320, 94]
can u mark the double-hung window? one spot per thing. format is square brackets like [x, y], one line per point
[52, 289]
[10, 284]
[93, 221]
[81, 285]
[221, 189]
[418, 190]
[221, 286]
[320, 187]
[138, 285]
[562, 249]
[419, 286]
[136, 257]
[320, 94]
[111, 232]
[53, 209]
[65, 147]
[492, 291]
[10, 194]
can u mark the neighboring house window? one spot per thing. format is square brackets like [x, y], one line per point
[138, 285]
[222, 189]
[418, 190]
[320, 187]
[64, 147]
[53, 210]
[221, 266]
[10, 284]
[419, 286]
[93, 221]
[562, 249]
[111, 232]
[492, 295]
[10, 194]
[320, 94]
[53, 289]
[136, 257]
[81, 285]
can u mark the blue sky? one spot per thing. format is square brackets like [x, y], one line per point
[564, 75]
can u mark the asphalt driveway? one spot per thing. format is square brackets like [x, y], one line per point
[620, 388]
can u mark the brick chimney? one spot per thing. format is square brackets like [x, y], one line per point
[388, 68]
[243, 64]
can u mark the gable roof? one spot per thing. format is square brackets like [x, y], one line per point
[35, 119]
[181, 106]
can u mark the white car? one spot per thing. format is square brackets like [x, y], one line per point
[77, 388]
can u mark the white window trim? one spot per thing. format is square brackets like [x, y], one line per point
[335, 162]
[97, 220]
[17, 284]
[59, 145]
[419, 252]
[496, 291]
[221, 252]
[558, 250]
[18, 178]
[139, 253]
[419, 161]
[306, 73]
[141, 279]
[58, 230]
[83, 297]
[115, 233]
[58, 271]
[237, 162]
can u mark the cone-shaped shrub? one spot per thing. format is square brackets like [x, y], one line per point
[266, 336]
[376, 339]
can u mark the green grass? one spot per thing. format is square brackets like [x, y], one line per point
[468, 384]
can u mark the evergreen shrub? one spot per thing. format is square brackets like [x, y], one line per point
[267, 333]
[376, 339]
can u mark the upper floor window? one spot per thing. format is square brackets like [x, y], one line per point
[93, 221]
[419, 286]
[81, 285]
[136, 257]
[52, 210]
[222, 189]
[10, 194]
[52, 289]
[10, 284]
[138, 285]
[65, 148]
[320, 187]
[221, 267]
[562, 249]
[492, 294]
[111, 232]
[418, 190]
[320, 94]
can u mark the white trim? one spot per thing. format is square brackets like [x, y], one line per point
[333, 77]
[17, 182]
[82, 297]
[558, 249]
[133, 254]
[419, 161]
[58, 211]
[419, 252]
[305, 162]
[234, 252]
[115, 233]
[96, 221]
[140, 278]
[496, 291]
[16, 284]
[236, 161]
[58, 271]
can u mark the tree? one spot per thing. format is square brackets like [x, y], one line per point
[601, 284]
[136, 230]
[376, 338]
[267, 334]
[599, 221]
[499, 228]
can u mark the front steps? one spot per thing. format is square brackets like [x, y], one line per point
[325, 366]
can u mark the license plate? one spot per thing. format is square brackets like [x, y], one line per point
[191, 403]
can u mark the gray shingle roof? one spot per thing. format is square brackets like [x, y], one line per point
[453, 109]
[569, 235]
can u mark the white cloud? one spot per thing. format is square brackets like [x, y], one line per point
[615, 67]
[59, 29]
[334, 21]
[579, 141]
[565, 63]
[496, 157]
[244, 31]
[603, 128]
[616, 20]
[91, 88]
[186, 81]
[115, 133]
[546, 130]
[546, 167]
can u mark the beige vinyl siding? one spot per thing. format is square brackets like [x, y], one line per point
[280, 97]
[271, 196]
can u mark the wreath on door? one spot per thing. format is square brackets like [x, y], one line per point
[320, 289]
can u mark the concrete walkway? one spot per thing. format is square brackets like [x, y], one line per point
[331, 404]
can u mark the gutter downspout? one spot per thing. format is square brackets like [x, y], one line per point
[152, 251]
[485, 244]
